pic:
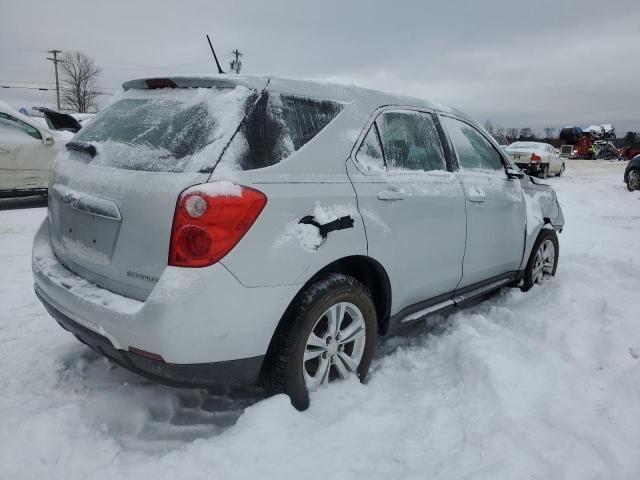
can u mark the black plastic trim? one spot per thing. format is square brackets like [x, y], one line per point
[395, 321]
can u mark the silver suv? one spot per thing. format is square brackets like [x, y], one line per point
[242, 230]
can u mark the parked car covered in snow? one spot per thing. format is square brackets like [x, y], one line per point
[632, 174]
[242, 230]
[27, 147]
[537, 158]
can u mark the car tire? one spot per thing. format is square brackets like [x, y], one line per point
[633, 180]
[559, 174]
[544, 172]
[540, 265]
[306, 352]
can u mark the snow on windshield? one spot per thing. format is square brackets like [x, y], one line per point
[166, 130]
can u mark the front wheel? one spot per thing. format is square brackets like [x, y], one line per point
[633, 180]
[561, 170]
[543, 261]
[329, 334]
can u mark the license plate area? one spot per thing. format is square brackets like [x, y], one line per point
[88, 235]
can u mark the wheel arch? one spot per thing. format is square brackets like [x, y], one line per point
[363, 268]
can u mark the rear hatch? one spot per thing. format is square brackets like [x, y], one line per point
[111, 212]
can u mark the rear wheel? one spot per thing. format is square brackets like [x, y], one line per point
[329, 334]
[544, 172]
[543, 261]
[633, 180]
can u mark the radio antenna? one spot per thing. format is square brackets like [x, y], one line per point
[215, 57]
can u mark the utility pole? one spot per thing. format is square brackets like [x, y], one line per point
[55, 61]
[235, 65]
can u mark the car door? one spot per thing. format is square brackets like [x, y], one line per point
[412, 205]
[24, 158]
[496, 213]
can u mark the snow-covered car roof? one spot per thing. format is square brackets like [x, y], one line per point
[303, 88]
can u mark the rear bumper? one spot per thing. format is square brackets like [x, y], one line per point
[530, 168]
[241, 372]
[208, 328]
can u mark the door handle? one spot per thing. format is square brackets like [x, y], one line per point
[4, 151]
[477, 197]
[391, 195]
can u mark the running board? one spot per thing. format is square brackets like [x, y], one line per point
[481, 290]
[455, 301]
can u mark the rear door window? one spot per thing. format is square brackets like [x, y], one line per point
[369, 154]
[410, 141]
[472, 149]
[278, 126]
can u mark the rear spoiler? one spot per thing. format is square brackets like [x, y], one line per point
[220, 81]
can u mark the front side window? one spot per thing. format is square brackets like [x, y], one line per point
[474, 152]
[410, 141]
[9, 122]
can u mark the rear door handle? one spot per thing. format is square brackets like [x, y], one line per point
[391, 195]
[4, 151]
[477, 197]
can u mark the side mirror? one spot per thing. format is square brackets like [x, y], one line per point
[513, 173]
[47, 140]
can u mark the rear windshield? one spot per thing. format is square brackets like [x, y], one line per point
[278, 126]
[167, 130]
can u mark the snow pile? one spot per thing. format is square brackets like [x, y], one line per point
[539, 385]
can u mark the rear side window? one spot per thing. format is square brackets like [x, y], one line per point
[472, 149]
[278, 126]
[410, 141]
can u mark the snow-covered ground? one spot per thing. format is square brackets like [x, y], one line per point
[542, 385]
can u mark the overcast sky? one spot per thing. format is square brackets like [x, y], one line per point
[532, 64]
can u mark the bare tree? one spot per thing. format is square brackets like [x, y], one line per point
[526, 134]
[79, 76]
[500, 130]
[549, 132]
[512, 133]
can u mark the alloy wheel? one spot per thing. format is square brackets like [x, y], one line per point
[335, 345]
[634, 180]
[544, 261]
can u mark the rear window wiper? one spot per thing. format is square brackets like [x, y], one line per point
[82, 147]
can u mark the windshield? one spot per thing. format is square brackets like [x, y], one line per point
[167, 130]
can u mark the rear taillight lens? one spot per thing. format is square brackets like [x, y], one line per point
[535, 158]
[210, 219]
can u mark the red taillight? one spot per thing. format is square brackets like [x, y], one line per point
[210, 220]
[535, 158]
